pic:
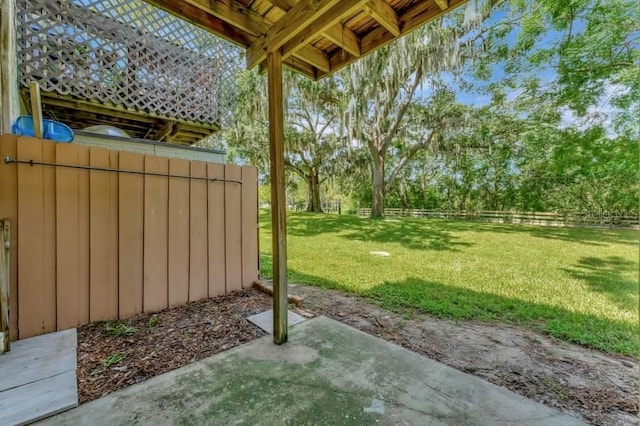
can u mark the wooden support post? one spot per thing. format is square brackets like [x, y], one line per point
[5, 267]
[278, 206]
[36, 109]
[9, 94]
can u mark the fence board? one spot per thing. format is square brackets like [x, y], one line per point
[156, 226]
[216, 232]
[103, 251]
[31, 242]
[178, 233]
[84, 230]
[233, 227]
[198, 266]
[130, 235]
[9, 209]
[49, 243]
[70, 301]
[249, 226]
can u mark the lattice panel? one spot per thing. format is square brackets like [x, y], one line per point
[129, 54]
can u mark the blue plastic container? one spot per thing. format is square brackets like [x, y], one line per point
[52, 130]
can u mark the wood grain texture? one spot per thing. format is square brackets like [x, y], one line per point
[178, 244]
[9, 209]
[278, 203]
[233, 227]
[103, 206]
[71, 301]
[29, 366]
[156, 226]
[84, 230]
[216, 230]
[49, 243]
[130, 235]
[30, 241]
[250, 225]
[198, 242]
[42, 380]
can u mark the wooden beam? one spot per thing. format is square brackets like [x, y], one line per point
[386, 16]
[278, 203]
[315, 57]
[412, 19]
[205, 20]
[343, 37]
[296, 20]
[337, 33]
[283, 4]
[234, 13]
[164, 131]
[36, 109]
[295, 64]
[51, 98]
[9, 92]
[442, 4]
[332, 17]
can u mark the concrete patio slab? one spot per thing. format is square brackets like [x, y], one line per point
[328, 374]
[264, 320]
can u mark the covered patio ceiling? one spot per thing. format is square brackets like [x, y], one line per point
[315, 37]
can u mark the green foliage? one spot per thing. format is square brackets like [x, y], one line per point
[110, 361]
[579, 285]
[315, 150]
[120, 329]
[153, 322]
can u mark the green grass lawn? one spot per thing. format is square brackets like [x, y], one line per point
[580, 285]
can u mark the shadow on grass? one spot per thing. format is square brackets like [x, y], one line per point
[608, 276]
[445, 301]
[413, 235]
[438, 234]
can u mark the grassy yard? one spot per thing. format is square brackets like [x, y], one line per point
[580, 285]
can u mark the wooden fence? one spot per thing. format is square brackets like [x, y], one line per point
[147, 233]
[598, 219]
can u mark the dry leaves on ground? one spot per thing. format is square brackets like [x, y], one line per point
[112, 355]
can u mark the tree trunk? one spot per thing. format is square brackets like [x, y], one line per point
[377, 207]
[313, 192]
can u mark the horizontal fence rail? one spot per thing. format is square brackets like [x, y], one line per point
[9, 160]
[598, 219]
[99, 234]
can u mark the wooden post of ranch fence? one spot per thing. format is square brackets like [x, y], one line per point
[5, 266]
[278, 203]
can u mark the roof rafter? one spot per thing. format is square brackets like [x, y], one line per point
[384, 14]
[234, 13]
[296, 20]
[205, 20]
[317, 27]
[338, 34]
[409, 21]
[443, 4]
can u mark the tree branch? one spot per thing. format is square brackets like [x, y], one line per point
[403, 110]
[296, 169]
[407, 157]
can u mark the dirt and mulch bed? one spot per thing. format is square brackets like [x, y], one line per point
[112, 355]
[602, 388]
